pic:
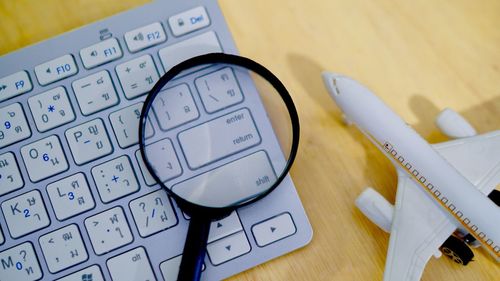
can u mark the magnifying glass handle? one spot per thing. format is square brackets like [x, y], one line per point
[195, 249]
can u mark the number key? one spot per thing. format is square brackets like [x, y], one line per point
[25, 213]
[51, 109]
[70, 196]
[20, 263]
[44, 158]
[14, 126]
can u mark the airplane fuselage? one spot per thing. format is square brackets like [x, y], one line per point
[412, 154]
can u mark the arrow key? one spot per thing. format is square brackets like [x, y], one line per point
[224, 227]
[273, 229]
[228, 248]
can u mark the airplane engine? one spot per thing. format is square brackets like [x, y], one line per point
[453, 125]
[376, 208]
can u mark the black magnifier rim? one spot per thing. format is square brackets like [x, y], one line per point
[212, 58]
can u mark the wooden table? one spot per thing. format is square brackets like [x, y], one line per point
[418, 56]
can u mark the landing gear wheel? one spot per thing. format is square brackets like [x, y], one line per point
[457, 250]
[495, 196]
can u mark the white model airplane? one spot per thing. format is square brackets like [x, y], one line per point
[442, 188]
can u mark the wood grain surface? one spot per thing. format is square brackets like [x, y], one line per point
[418, 56]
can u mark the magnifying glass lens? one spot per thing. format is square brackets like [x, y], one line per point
[217, 134]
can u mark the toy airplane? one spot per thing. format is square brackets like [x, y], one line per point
[442, 188]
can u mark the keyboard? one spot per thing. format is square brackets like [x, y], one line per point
[76, 202]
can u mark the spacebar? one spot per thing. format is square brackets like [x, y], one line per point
[230, 184]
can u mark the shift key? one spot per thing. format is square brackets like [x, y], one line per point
[223, 136]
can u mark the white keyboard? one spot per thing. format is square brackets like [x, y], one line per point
[76, 201]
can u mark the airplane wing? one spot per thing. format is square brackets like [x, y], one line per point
[420, 226]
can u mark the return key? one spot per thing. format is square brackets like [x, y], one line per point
[219, 138]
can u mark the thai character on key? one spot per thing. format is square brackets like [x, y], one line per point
[74, 253]
[37, 216]
[75, 184]
[126, 182]
[18, 129]
[137, 113]
[119, 167]
[158, 201]
[81, 201]
[99, 144]
[31, 201]
[93, 130]
[67, 236]
[164, 216]
[4, 163]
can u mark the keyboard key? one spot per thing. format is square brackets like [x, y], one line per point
[195, 46]
[10, 176]
[108, 230]
[174, 107]
[95, 92]
[165, 158]
[25, 213]
[273, 229]
[224, 227]
[133, 265]
[228, 134]
[14, 85]
[13, 127]
[258, 177]
[219, 90]
[44, 158]
[63, 248]
[115, 179]
[20, 263]
[125, 123]
[170, 268]
[89, 141]
[101, 53]
[56, 70]
[137, 76]
[189, 21]
[153, 213]
[70, 196]
[91, 273]
[2, 239]
[145, 37]
[51, 109]
[150, 181]
[228, 248]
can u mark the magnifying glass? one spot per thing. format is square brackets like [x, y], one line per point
[218, 132]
